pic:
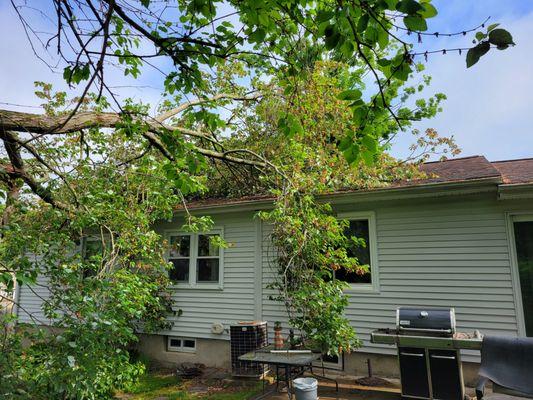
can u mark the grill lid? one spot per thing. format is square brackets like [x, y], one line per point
[429, 320]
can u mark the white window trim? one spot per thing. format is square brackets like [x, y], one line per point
[192, 284]
[338, 366]
[180, 349]
[373, 287]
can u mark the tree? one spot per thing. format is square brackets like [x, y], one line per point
[99, 167]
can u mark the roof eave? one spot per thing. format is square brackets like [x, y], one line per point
[515, 191]
[426, 190]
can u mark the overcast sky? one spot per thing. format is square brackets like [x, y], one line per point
[489, 108]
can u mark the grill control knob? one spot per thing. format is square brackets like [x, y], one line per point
[424, 314]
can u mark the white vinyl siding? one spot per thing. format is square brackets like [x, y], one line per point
[202, 306]
[436, 252]
[449, 253]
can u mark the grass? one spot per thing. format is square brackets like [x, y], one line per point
[157, 385]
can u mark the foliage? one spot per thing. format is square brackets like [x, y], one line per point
[310, 245]
[334, 76]
[309, 241]
[100, 256]
[493, 36]
[270, 36]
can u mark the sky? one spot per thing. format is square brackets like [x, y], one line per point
[489, 107]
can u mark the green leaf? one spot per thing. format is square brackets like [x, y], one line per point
[332, 37]
[258, 36]
[345, 142]
[359, 114]
[324, 16]
[362, 24]
[491, 27]
[370, 143]
[428, 11]
[383, 38]
[480, 36]
[415, 23]
[352, 94]
[475, 53]
[500, 37]
[351, 153]
[371, 35]
[409, 7]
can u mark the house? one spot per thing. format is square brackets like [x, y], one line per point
[457, 238]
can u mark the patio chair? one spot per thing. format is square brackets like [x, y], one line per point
[508, 363]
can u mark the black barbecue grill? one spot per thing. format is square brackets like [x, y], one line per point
[429, 352]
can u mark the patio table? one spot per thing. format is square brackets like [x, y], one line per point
[289, 361]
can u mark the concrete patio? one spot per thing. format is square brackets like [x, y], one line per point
[347, 391]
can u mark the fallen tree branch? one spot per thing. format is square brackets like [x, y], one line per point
[57, 125]
[182, 107]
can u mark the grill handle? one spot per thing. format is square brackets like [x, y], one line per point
[412, 354]
[443, 357]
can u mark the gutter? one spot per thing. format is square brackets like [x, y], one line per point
[515, 191]
[428, 190]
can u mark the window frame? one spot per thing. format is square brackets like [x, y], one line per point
[83, 247]
[181, 348]
[370, 216]
[193, 257]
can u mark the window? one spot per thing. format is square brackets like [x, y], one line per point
[196, 259]
[180, 256]
[361, 226]
[181, 344]
[207, 261]
[331, 362]
[93, 252]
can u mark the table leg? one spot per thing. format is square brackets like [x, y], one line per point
[288, 381]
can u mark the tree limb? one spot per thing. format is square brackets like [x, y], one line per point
[56, 125]
[182, 107]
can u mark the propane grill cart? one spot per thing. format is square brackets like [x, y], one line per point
[429, 352]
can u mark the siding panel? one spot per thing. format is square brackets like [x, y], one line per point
[435, 253]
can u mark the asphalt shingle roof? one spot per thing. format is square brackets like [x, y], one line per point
[448, 171]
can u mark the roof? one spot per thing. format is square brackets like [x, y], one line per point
[515, 171]
[456, 170]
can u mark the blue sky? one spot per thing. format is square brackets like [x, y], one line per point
[489, 108]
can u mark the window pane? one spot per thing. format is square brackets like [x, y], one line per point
[93, 248]
[359, 229]
[180, 270]
[180, 246]
[189, 344]
[207, 270]
[175, 342]
[205, 247]
[524, 253]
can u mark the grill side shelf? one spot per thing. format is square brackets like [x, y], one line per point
[425, 341]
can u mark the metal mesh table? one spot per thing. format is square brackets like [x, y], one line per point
[294, 364]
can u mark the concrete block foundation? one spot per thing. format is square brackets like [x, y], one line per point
[211, 352]
[216, 353]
